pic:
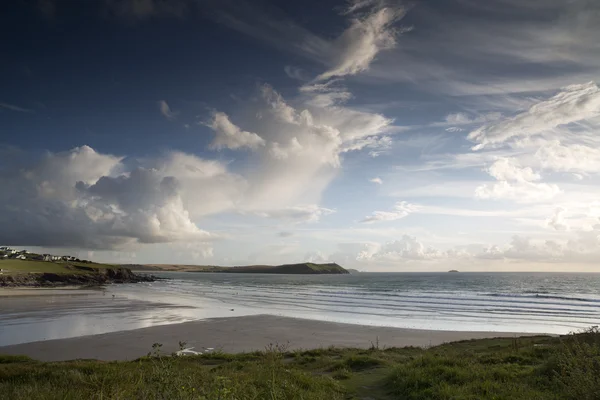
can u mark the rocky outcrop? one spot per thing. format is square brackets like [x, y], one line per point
[85, 276]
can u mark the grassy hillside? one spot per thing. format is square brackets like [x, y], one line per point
[301, 268]
[26, 273]
[13, 266]
[512, 369]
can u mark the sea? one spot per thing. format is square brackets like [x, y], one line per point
[554, 303]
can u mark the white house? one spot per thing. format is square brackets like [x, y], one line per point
[21, 257]
[47, 257]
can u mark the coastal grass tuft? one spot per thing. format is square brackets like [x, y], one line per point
[540, 367]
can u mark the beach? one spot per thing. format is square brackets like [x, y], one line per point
[239, 334]
[250, 312]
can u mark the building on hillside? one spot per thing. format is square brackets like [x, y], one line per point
[47, 257]
[21, 257]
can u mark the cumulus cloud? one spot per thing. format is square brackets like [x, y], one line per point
[509, 169]
[557, 221]
[376, 180]
[574, 103]
[316, 257]
[81, 198]
[582, 247]
[515, 183]
[230, 136]
[304, 144]
[165, 110]
[369, 33]
[401, 210]
[574, 157]
[405, 249]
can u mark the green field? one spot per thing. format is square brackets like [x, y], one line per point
[27, 266]
[511, 369]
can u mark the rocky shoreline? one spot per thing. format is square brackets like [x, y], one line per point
[85, 276]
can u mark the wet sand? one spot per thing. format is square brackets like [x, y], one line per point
[70, 290]
[238, 334]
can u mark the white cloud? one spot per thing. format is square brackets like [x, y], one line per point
[406, 249]
[574, 103]
[354, 50]
[303, 213]
[509, 169]
[519, 191]
[515, 183]
[578, 158]
[401, 210]
[165, 110]
[85, 199]
[557, 221]
[304, 144]
[376, 180]
[316, 257]
[230, 136]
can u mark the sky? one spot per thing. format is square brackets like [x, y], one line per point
[382, 135]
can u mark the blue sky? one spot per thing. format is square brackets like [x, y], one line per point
[383, 135]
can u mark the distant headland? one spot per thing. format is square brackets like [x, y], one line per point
[298, 269]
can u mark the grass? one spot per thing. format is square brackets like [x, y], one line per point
[26, 266]
[524, 368]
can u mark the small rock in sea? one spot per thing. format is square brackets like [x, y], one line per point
[231, 309]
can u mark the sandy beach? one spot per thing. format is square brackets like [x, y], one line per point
[239, 334]
[70, 290]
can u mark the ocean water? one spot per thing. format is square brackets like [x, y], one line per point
[510, 302]
[501, 302]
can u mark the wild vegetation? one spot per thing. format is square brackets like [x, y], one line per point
[13, 266]
[521, 368]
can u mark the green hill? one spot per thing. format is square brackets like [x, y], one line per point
[301, 268]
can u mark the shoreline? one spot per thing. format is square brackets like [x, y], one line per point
[237, 335]
[48, 291]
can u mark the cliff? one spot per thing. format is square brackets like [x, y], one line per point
[81, 276]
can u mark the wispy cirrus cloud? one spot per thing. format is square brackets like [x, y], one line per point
[572, 104]
[13, 107]
[401, 209]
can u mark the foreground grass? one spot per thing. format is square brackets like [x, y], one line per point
[27, 266]
[524, 368]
